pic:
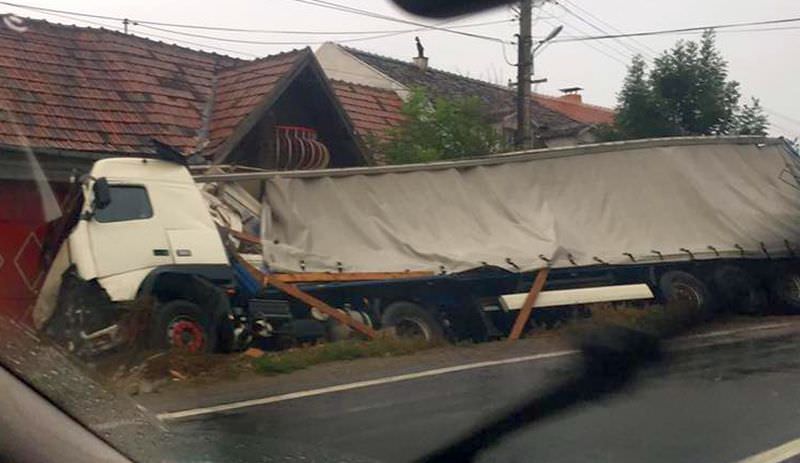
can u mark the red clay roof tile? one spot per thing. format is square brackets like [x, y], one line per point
[374, 111]
[581, 112]
[96, 90]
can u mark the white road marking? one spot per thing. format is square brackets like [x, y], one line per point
[781, 453]
[192, 412]
[357, 385]
[715, 334]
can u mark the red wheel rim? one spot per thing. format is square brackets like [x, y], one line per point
[187, 335]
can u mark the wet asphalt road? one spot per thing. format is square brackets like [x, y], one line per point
[716, 403]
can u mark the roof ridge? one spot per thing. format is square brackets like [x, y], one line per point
[399, 61]
[346, 82]
[101, 29]
[244, 63]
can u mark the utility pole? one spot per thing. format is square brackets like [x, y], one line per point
[522, 138]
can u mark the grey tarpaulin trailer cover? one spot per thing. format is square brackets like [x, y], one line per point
[663, 199]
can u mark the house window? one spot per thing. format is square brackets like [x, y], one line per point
[127, 203]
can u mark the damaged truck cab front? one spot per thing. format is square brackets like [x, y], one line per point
[144, 238]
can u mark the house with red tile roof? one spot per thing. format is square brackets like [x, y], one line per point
[557, 121]
[73, 94]
[571, 104]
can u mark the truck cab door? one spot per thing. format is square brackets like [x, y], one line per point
[125, 235]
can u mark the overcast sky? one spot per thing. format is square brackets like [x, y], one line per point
[765, 62]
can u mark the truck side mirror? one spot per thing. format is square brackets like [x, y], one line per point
[102, 194]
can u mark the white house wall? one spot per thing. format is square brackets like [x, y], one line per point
[338, 64]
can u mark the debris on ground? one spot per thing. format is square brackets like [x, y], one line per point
[254, 352]
[149, 372]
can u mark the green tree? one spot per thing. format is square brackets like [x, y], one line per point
[439, 129]
[751, 120]
[640, 111]
[687, 92]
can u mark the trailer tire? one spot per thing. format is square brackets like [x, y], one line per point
[183, 325]
[785, 291]
[411, 320]
[685, 288]
[739, 290]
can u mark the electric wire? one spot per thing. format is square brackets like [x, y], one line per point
[263, 31]
[639, 44]
[622, 43]
[677, 31]
[370, 14]
[615, 57]
[303, 42]
[613, 49]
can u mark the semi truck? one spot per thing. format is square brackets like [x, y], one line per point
[440, 250]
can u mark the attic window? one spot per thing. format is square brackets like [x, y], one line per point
[297, 148]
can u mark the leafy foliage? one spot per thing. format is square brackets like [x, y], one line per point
[349, 349]
[751, 119]
[687, 92]
[439, 129]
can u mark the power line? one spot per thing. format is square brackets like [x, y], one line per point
[307, 42]
[609, 49]
[314, 32]
[784, 129]
[617, 55]
[782, 116]
[183, 42]
[755, 29]
[599, 50]
[599, 29]
[641, 45]
[370, 14]
[675, 31]
[234, 29]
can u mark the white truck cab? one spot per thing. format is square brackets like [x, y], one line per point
[144, 233]
[155, 217]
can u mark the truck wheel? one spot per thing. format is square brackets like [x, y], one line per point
[411, 320]
[183, 325]
[785, 291]
[682, 287]
[739, 290]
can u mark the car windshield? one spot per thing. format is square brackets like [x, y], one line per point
[307, 230]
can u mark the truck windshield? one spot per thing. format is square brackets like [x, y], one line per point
[128, 202]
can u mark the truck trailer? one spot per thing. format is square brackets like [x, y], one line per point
[439, 250]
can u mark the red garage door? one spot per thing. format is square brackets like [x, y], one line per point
[22, 229]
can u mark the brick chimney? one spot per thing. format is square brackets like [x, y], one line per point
[571, 94]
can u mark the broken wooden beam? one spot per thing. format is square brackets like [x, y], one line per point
[527, 307]
[322, 306]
